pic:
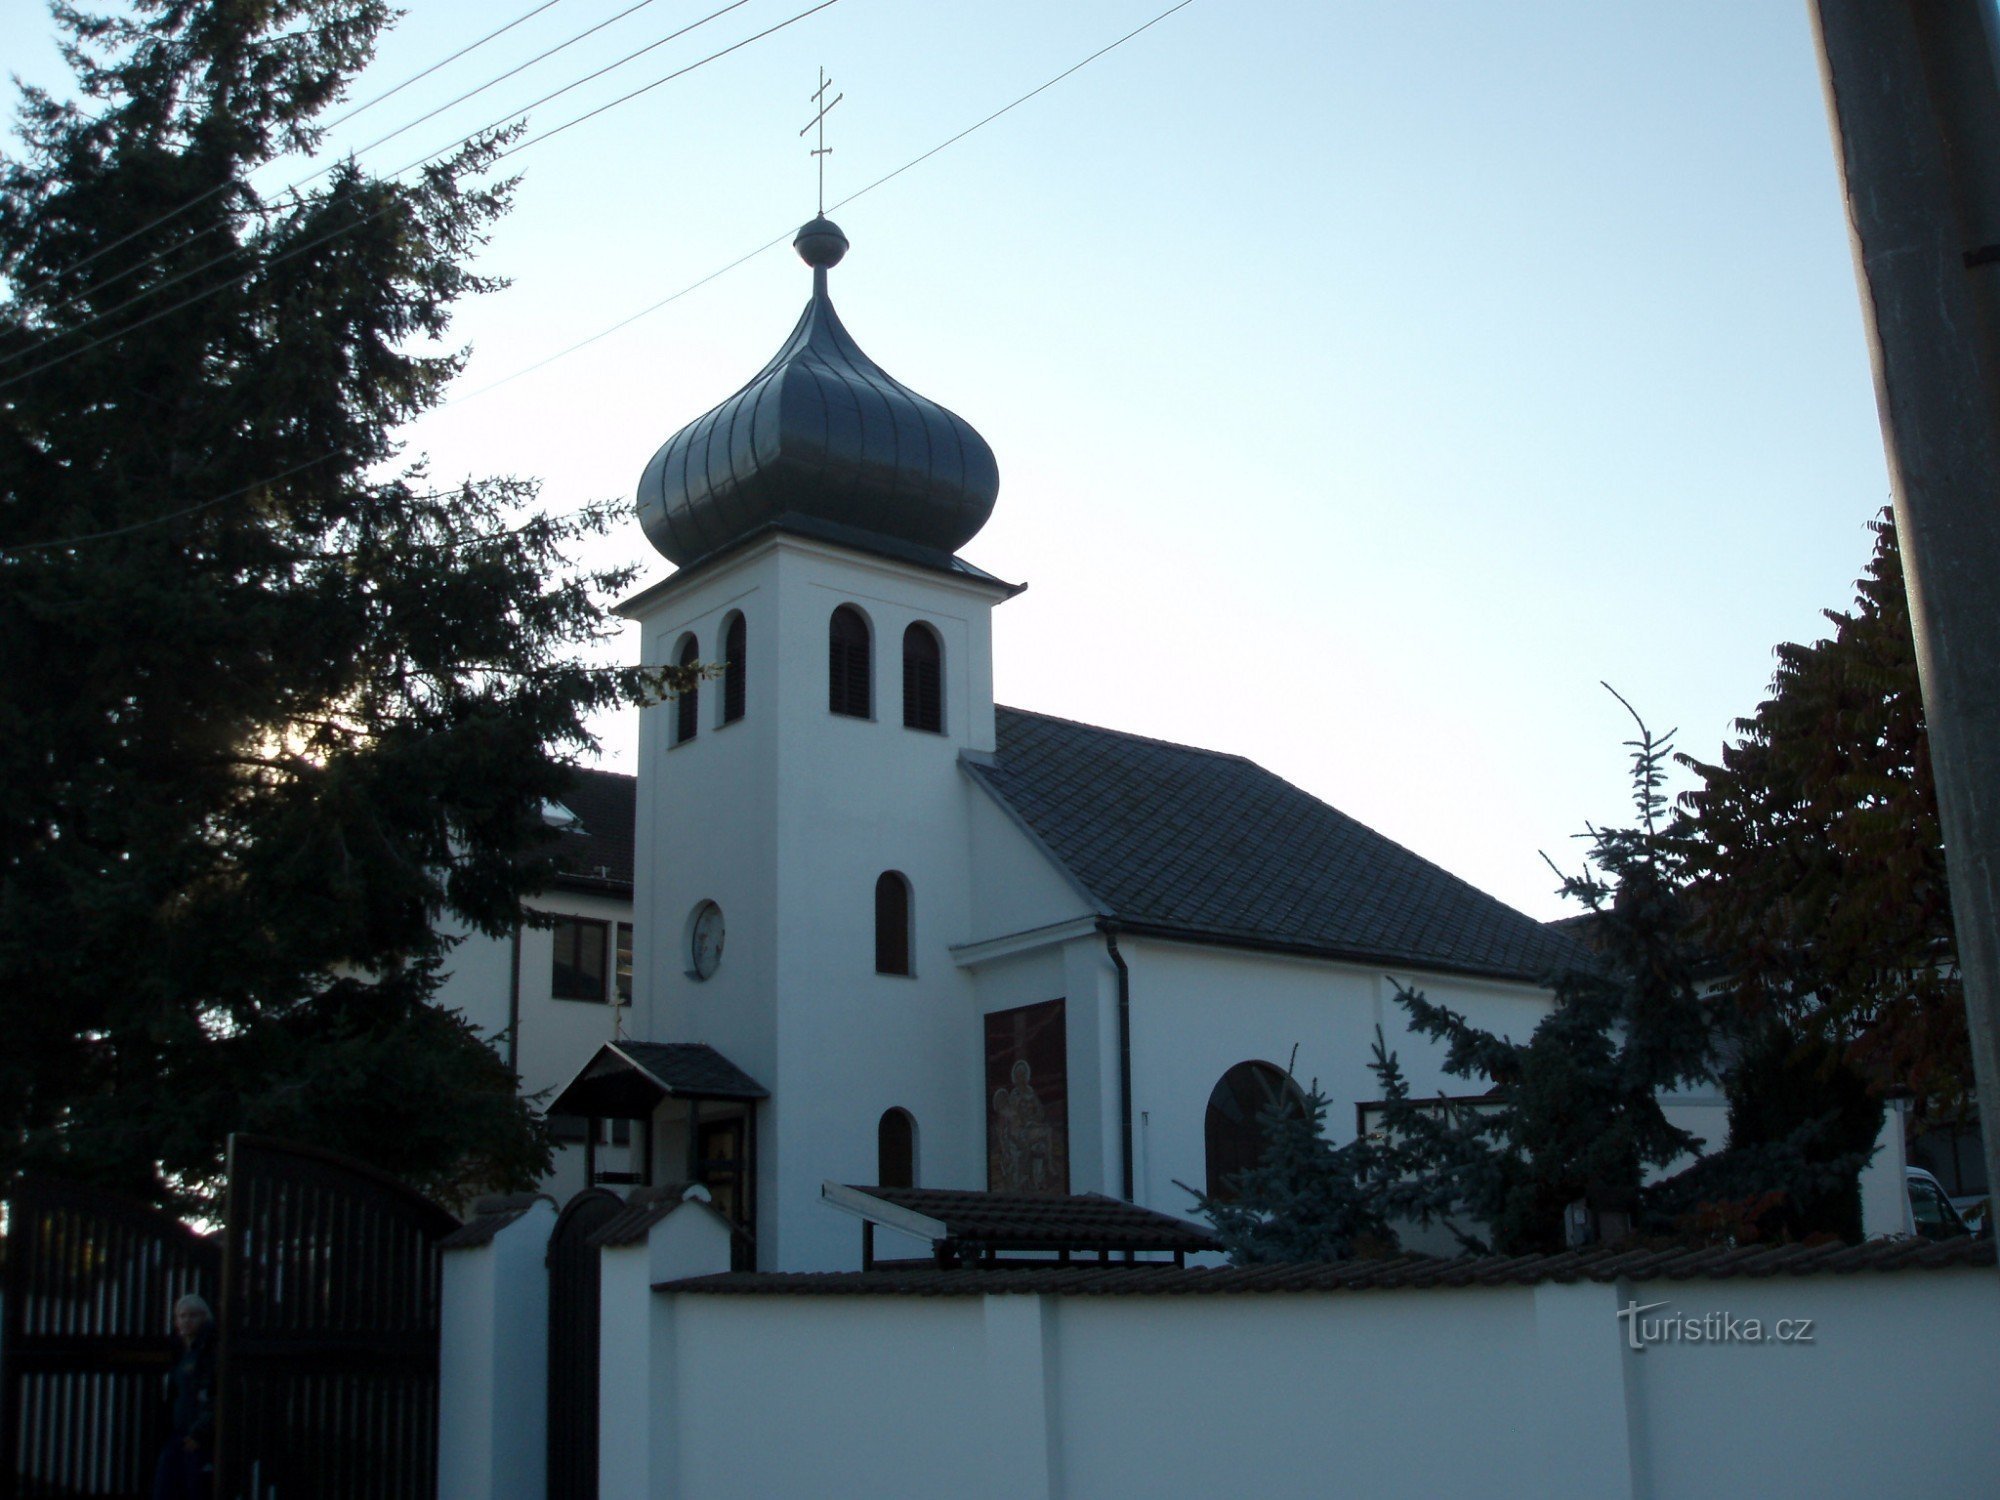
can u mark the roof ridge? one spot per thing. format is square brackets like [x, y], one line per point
[1128, 734]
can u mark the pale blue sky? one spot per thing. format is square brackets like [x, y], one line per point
[1367, 381]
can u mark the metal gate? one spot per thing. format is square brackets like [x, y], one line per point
[573, 1264]
[327, 1294]
[327, 1379]
[90, 1287]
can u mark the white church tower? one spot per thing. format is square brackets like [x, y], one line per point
[802, 860]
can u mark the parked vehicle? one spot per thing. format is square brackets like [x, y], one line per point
[1931, 1211]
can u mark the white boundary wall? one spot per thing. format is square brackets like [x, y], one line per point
[494, 1361]
[1489, 1391]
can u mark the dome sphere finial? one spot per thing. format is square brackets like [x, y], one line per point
[820, 243]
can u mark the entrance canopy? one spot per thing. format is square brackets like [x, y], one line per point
[628, 1080]
[966, 1226]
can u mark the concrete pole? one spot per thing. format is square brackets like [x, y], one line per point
[1914, 98]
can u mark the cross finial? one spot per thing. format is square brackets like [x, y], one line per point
[821, 150]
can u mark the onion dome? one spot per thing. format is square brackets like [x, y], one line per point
[821, 440]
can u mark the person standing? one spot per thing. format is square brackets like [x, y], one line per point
[187, 1460]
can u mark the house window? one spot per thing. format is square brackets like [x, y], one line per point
[624, 989]
[923, 680]
[847, 686]
[892, 924]
[578, 971]
[1235, 1130]
[896, 1150]
[687, 707]
[734, 665]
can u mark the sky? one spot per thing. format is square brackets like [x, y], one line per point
[1369, 382]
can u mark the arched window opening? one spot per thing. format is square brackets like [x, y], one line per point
[847, 687]
[923, 680]
[734, 666]
[687, 707]
[892, 924]
[896, 1150]
[1235, 1130]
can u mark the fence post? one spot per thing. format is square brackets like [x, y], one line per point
[494, 1355]
[663, 1235]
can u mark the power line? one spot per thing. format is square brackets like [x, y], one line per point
[193, 203]
[635, 317]
[692, 286]
[133, 301]
[344, 229]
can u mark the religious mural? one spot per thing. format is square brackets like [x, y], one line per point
[1027, 1089]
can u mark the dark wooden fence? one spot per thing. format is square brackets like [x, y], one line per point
[329, 1356]
[574, 1285]
[327, 1291]
[85, 1338]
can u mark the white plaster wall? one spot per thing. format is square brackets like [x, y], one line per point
[1198, 1011]
[878, 1397]
[475, 980]
[559, 1036]
[1490, 1391]
[1016, 888]
[1898, 1394]
[493, 1369]
[786, 819]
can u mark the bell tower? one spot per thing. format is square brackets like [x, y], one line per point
[802, 865]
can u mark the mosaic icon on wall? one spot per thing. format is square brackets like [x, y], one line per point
[1027, 1091]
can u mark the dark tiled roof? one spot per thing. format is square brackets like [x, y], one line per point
[489, 1217]
[597, 853]
[1409, 1271]
[645, 1208]
[1197, 844]
[1028, 1221]
[694, 1068]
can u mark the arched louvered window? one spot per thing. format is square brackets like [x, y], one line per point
[1234, 1132]
[896, 1150]
[847, 687]
[687, 707]
[892, 924]
[923, 679]
[734, 665]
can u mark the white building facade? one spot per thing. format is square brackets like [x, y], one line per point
[886, 932]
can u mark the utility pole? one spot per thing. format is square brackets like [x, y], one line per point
[1913, 92]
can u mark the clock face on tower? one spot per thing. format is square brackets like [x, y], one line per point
[704, 940]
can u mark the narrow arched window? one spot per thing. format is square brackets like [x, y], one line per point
[1235, 1132]
[892, 924]
[896, 1150]
[734, 665]
[687, 707]
[923, 679]
[847, 686]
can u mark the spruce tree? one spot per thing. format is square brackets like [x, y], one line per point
[274, 699]
[1574, 1113]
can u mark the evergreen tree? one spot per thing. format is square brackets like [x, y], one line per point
[1816, 859]
[273, 700]
[1310, 1200]
[1575, 1111]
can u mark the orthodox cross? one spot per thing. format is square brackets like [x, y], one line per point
[822, 150]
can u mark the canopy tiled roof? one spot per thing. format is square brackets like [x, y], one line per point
[597, 853]
[1194, 843]
[1604, 1264]
[625, 1080]
[1084, 1222]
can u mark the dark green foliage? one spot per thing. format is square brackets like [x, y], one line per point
[1816, 859]
[1575, 1110]
[1802, 1125]
[1310, 1200]
[271, 706]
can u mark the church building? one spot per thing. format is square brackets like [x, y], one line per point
[887, 932]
